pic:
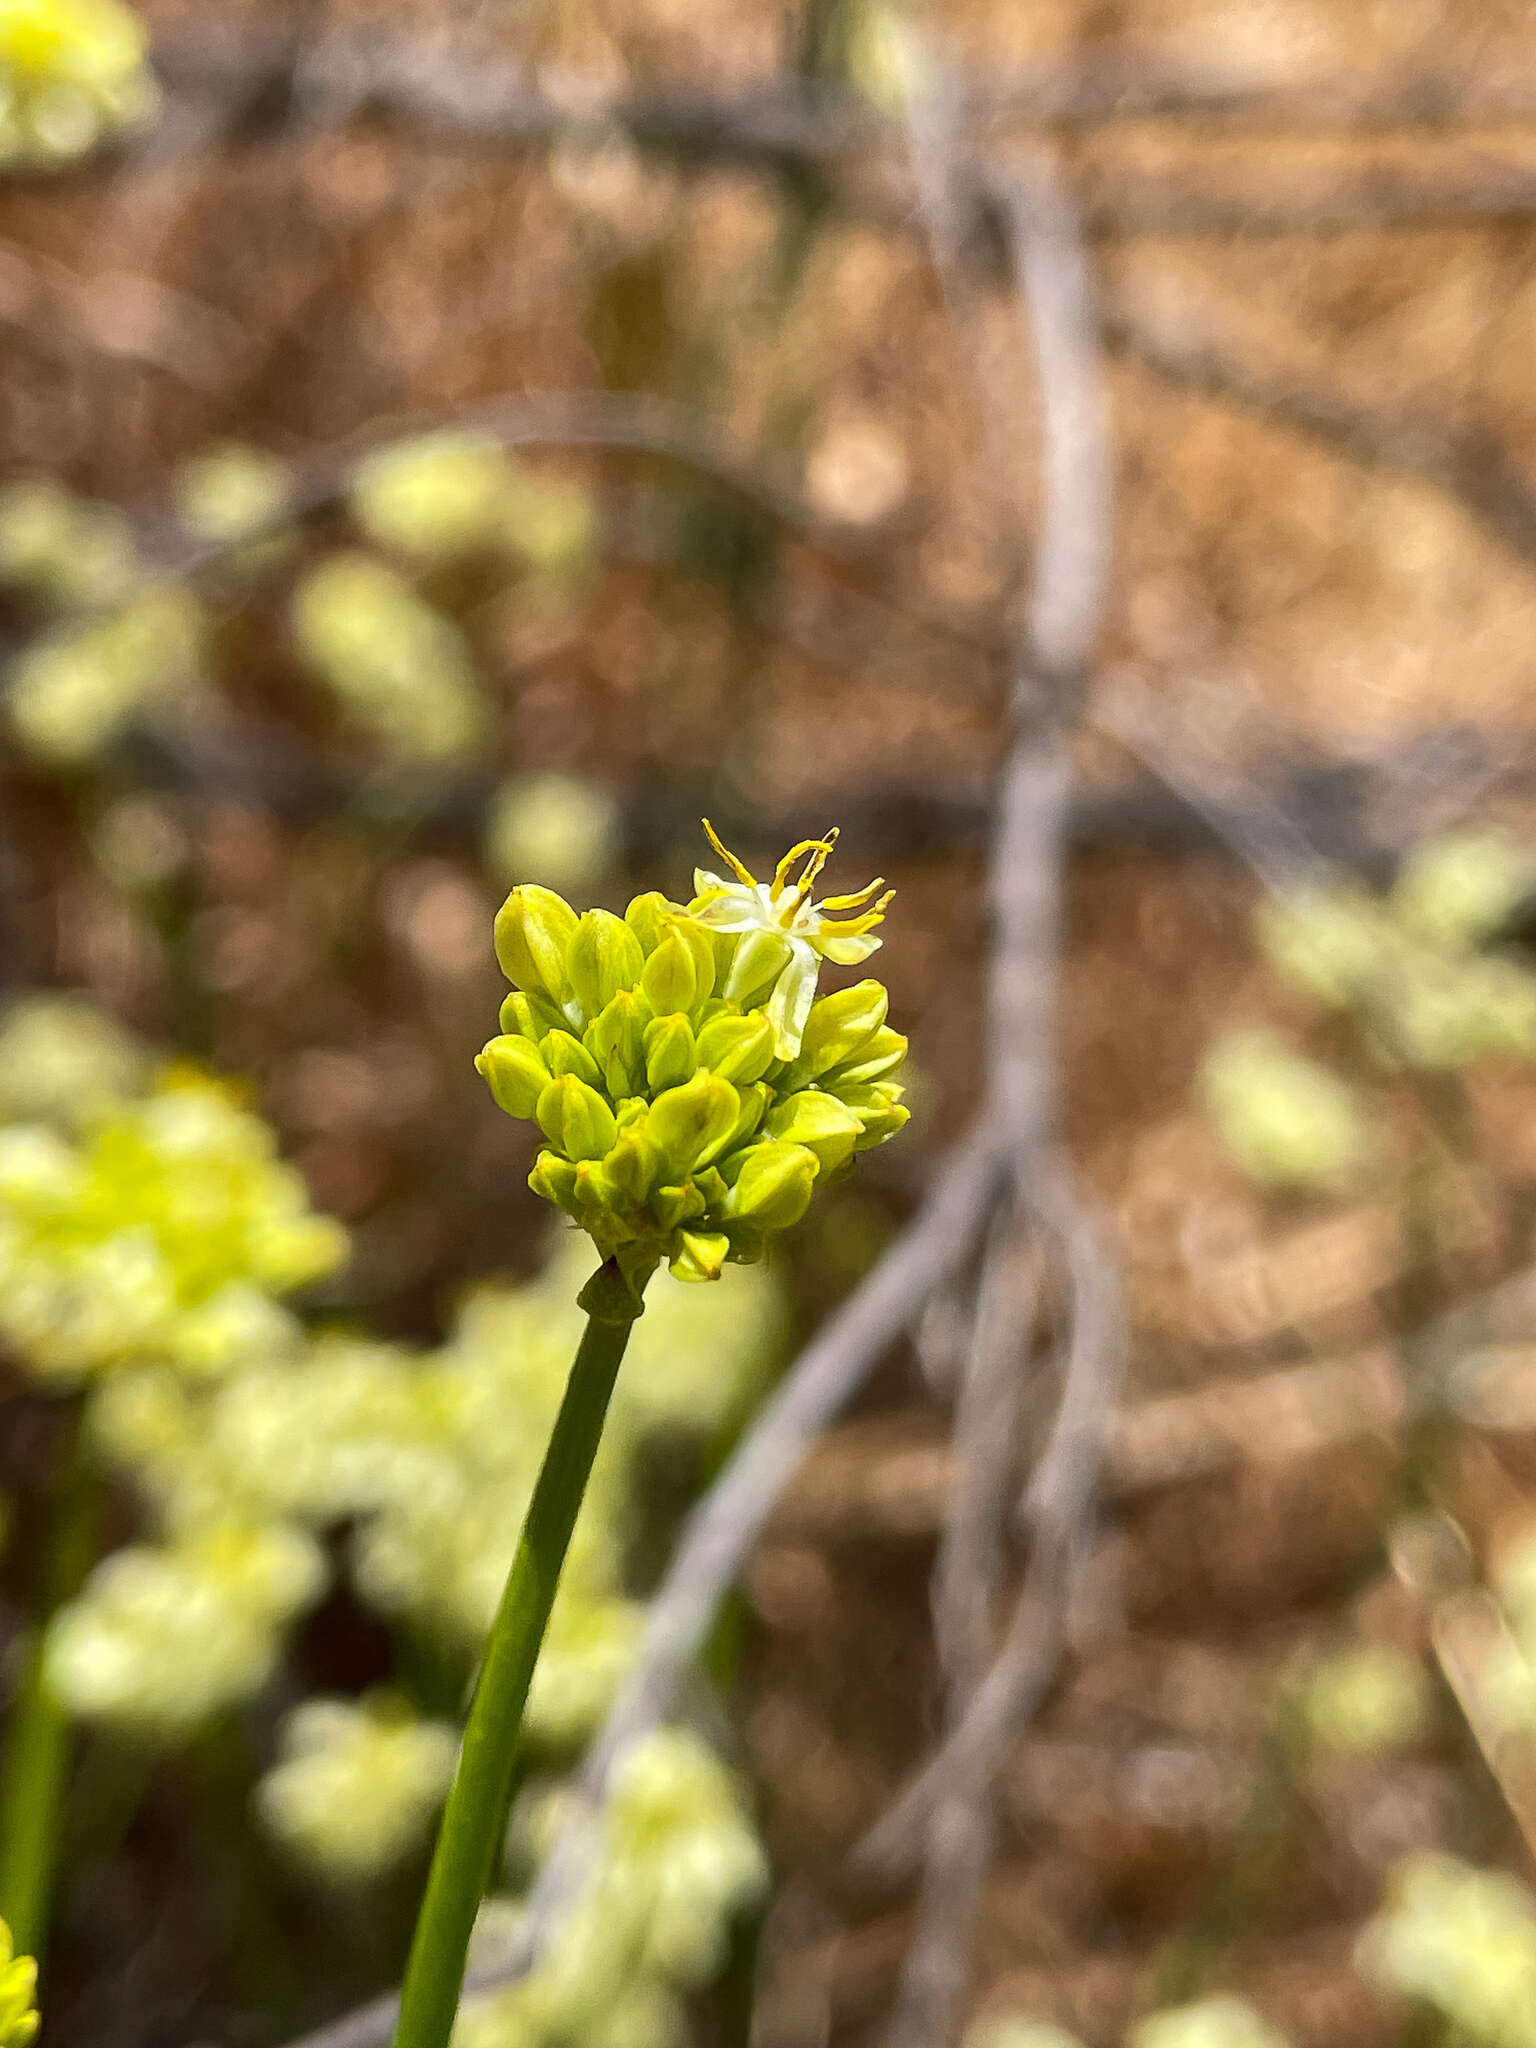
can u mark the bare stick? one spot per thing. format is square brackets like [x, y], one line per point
[1071, 571]
[465, 98]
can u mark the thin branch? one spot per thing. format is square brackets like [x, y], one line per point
[949, 1806]
[966, 1583]
[988, 1419]
[1468, 463]
[489, 103]
[1070, 578]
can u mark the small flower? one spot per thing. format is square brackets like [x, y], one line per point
[799, 933]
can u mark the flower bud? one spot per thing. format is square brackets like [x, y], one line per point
[700, 1257]
[819, 1122]
[649, 918]
[514, 1073]
[670, 977]
[1285, 1119]
[602, 958]
[533, 929]
[672, 1206]
[773, 1186]
[691, 1124]
[615, 1040]
[880, 1056]
[738, 1049]
[576, 1119]
[670, 1057]
[1456, 891]
[633, 1166]
[759, 960]
[554, 1179]
[701, 944]
[754, 1107]
[877, 1105]
[530, 1016]
[839, 1026]
[596, 1190]
[564, 1053]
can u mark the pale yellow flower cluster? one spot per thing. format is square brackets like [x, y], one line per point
[676, 1861]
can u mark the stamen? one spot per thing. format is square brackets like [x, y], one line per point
[821, 854]
[856, 927]
[853, 902]
[781, 872]
[742, 874]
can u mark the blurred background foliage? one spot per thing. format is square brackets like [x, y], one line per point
[445, 445]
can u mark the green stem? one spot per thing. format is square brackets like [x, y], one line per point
[37, 1737]
[482, 1788]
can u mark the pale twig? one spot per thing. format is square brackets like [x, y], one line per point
[1057, 1508]
[488, 103]
[1070, 577]
[966, 1583]
[988, 1419]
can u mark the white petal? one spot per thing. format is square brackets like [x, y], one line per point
[849, 950]
[725, 914]
[790, 1004]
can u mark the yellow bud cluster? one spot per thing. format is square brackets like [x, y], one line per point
[394, 662]
[73, 691]
[163, 1638]
[1286, 1120]
[677, 1859]
[559, 830]
[1007, 2030]
[431, 1459]
[230, 491]
[1420, 972]
[356, 1786]
[1461, 1940]
[163, 1235]
[1220, 2021]
[18, 1992]
[678, 1121]
[1371, 1700]
[1410, 964]
[69, 551]
[457, 492]
[434, 496]
[71, 73]
[64, 1061]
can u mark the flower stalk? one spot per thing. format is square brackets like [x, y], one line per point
[475, 1817]
[690, 1090]
[37, 1735]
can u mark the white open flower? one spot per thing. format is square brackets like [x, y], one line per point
[786, 936]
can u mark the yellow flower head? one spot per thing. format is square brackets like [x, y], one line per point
[18, 1984]
[781, 915]
[689, 1085]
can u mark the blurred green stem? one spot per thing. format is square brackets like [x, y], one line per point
[474, 1819]
[37, 1735]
